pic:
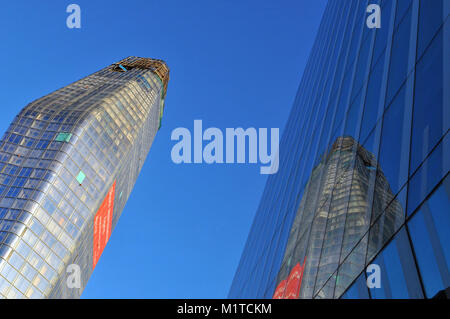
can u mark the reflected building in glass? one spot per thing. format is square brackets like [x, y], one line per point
[345, 189]
[364, 162]
[68, 164]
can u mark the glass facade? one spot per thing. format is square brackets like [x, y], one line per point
[364, 162]
[68, 163]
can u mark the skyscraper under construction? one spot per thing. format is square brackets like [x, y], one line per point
[68, 163]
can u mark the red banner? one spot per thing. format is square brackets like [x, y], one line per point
[290, 288]
[279, 292]
[103, 224]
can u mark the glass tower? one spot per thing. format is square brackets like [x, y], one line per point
[363, 182]
[68, 164]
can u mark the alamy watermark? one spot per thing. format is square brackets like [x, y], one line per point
[74, 276]
[213, 151]
[374, 19]
[73, 21]
[373, 276]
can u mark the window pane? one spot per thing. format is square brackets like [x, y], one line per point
[361, 70]
[382, 33]
[343, 101]
[429, 121]
[399, 61]
[430, 236]
[353, 264]
[358, 290]
[387, 217]
[394, 154]
[371, 107]
[430, 19]
[399, 278]
[429, 174]
[352, 119]
[402, 5]
[358, 27]
[372, 142]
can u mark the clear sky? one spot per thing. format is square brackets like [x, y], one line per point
[233, 64]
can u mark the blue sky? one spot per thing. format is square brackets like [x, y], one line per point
[233, 64]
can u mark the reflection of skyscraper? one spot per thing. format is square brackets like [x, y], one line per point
[373, 101]
[346, 191]
[68, 163]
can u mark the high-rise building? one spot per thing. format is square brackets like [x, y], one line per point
[363, 185]
[68, 163]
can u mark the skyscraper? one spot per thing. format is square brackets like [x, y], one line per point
[68, 163]
[364, 160]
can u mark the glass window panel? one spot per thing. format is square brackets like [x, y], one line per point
[353, 115]
[399, 60]
[361, 70]
[358, 27]
[343, 101]
[402, 6]
[354, 263]
[399, 278]
[358, 290]
[371, 107]
[382, 33]
[395, 141]
[430, 19]
[429, 174]
[387, 217]
[428, 122]
[430, 238]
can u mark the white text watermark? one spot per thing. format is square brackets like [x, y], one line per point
[213, 151]
[73, 21]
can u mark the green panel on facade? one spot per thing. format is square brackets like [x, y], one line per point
[64, 137]
[81, 176]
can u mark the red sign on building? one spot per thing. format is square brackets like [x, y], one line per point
[289, 288]
[279, 292]
[103, 224]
